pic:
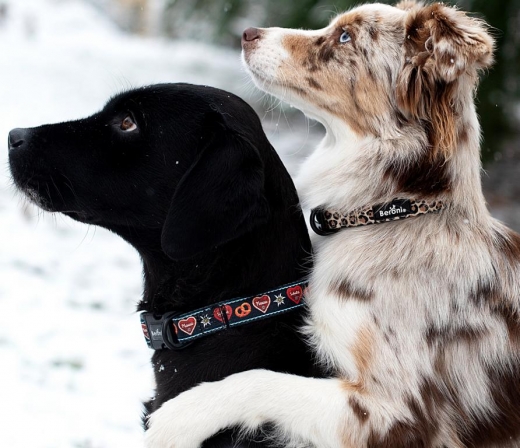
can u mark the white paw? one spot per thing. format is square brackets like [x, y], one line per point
[182, 422]
[169, 427]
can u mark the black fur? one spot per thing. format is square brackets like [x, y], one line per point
[198, 190]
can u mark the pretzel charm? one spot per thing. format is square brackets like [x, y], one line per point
[243, 310]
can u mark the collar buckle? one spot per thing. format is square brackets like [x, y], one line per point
[158, 331]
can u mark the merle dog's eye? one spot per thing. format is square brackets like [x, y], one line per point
[345, 37]
[128, 124]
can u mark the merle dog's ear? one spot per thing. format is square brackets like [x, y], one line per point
[443, 49]
[221, 196]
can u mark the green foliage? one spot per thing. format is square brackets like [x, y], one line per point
[211, 20]
[499, 92]
[307, 14]
[224, 15]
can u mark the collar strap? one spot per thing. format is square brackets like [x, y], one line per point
[328, 221]
[176, 330]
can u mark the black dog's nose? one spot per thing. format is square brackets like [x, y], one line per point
[251, 34]
[17, 138]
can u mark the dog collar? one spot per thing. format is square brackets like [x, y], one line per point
[176, 330]
[327, 221]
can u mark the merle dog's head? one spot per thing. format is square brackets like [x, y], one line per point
[179, 161]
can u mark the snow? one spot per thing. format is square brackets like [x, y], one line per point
[74, 365]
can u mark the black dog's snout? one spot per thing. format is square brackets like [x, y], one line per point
[17, 138]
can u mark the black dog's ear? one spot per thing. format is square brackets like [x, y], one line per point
[221, 196]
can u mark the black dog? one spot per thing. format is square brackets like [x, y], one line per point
[186, 175]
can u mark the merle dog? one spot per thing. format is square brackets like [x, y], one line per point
[185, 174]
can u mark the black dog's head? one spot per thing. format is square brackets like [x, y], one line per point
[176, 161]
[186, 175]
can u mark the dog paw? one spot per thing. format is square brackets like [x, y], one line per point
[178, 423]
[167, 432]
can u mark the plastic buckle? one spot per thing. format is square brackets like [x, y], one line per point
[319, 224]
[159, 333]
[152, 329]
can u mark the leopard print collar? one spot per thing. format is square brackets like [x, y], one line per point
[328, 221]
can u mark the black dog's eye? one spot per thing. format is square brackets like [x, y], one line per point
[344, 38]
[128, 124]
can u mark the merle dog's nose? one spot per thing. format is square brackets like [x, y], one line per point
[17, 138]
[250, 35]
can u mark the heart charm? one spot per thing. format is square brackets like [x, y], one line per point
[217, 313]
[262, 303]
[295, 294]
[145, 331]
[188, 325]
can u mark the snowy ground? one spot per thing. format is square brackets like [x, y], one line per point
[74, 367]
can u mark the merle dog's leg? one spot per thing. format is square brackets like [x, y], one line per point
[313, 411]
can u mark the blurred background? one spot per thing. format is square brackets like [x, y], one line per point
[74, 367]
